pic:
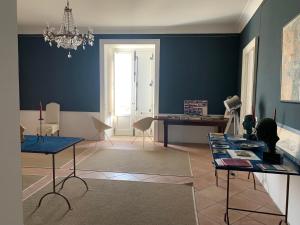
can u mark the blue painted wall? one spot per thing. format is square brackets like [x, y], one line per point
[267, 24]
[46, 74]
[191, 67]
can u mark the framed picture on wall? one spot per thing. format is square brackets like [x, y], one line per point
[290, 67]
[195, 107]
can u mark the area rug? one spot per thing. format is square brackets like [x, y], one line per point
[28, 180]
[113, 203]
[161, 162]
[33, 160]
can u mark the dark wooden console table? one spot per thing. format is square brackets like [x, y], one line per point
[220, 123]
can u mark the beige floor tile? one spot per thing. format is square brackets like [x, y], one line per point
[203, 220]
[215, 193]
[261, 197]
[272, 208]
[202, 201]
[265, 219]
[203, 183]
[216, 213]
[247, 221]
[239, 201]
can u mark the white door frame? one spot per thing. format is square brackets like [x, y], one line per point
[252, 46]
[156, 43]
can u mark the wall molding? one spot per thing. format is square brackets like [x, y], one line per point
[248, 12]
[72, 124]
[182, 29]
[79, 124]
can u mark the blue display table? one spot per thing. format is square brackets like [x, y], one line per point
[234, 144]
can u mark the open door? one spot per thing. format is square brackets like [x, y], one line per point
[123, 92]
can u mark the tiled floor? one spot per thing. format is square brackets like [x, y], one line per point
[210, 199]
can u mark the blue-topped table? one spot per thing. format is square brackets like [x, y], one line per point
[288, 164]
[53, 145]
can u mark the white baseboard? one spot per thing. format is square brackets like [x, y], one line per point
[185, 134]
[72, 124]
[79, 124]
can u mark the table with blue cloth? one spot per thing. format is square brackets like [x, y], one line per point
[53, 145]
[232, 143]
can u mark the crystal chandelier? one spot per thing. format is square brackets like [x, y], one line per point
[68, 36]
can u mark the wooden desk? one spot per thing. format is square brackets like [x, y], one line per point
[220, 123]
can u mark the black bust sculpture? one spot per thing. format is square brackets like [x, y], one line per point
[266, 131]
[249, 124]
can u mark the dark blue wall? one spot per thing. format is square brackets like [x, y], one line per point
[191, 67]
[46, 74]
[267, 24]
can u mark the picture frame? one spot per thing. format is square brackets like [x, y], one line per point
[290, 65]
[196, 107]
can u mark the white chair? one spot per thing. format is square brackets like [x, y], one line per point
[143, 125]
[22, 129]
[51, 125]
[101, 127]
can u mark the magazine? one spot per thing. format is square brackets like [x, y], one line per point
[242, 154]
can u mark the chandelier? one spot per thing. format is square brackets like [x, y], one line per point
[68, 36]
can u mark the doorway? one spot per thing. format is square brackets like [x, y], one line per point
[128, 84]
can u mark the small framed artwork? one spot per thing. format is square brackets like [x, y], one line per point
[290, 67]
[195, 107]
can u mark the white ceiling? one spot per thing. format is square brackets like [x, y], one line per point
[141, 16]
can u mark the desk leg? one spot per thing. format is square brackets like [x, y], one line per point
[73, 175]
[286, 201]
[54, 186]
[165, 133]
[220, 129]
[226, 217]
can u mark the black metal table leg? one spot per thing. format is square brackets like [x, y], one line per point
[165, 133]
[73, 175]
[283, 221]
[217, 177]
[254, 181]
[286, 200]
[226, 217]
[54, 186]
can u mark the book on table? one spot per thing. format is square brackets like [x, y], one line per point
[269, 167]
[242, 154]
[220, 146]
[219, 151]
[237, 162]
